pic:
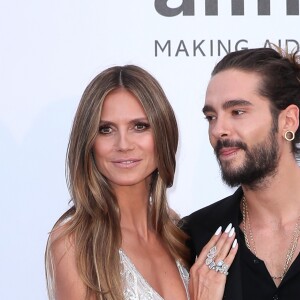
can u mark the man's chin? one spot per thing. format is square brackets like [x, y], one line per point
[229, 166]
[231, 183]
[231, 176]
[230, 179]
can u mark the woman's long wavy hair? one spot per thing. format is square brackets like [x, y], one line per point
[92, 224]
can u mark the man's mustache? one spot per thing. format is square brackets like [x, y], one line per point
[229, 143]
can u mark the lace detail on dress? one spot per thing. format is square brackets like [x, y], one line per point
[136, 287]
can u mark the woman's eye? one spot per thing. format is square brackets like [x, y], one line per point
[141, 126]
[105, 130]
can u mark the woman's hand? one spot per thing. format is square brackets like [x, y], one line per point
[208, 274]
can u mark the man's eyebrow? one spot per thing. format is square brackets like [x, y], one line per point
[237, 102]
[227, 104]
[207, 108]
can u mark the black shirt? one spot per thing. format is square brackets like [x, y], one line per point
[257, 283]
[248, 277]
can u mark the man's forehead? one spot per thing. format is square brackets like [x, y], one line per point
[232, 87]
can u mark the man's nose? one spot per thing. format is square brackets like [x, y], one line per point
[220, 128]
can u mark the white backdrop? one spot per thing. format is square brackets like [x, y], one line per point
[50, 50]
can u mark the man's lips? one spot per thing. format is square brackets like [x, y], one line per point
[228, 151]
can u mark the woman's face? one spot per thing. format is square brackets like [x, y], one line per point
[124, 149]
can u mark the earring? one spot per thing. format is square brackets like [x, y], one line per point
[289, 135]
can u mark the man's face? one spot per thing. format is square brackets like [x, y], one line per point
[241, 128]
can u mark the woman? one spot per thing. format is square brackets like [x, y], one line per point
[120, 240]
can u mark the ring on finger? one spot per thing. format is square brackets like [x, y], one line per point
[212, 252]
[210, 256]
[212, 265]
[224, 269]
[220, 263]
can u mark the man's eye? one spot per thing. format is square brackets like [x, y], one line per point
[209, 118]
[237, 112]
[105, 130]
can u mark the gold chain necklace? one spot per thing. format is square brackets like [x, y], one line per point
[291, 249]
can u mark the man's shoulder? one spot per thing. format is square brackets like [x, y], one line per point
[201, 224]
[215, 210]
[220, 204]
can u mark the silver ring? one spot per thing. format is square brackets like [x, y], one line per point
[224, 269]
[220, 266]
[208, 261]
[212, 265]
[212, 252]
[210, 258]
[220, 263]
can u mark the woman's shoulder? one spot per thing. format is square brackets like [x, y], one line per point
[61, 249]
[67, 283]
[61, 239]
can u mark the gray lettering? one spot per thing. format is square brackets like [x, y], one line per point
[167, 45]
[216, 47]
[295, 48]
[198, 47]
[292, 7]
[268, 44]
[221, 45]
[263, 7]
[237, 7]
[211, 7]
[238, 44]
[186, 8]
[182, 48]
[288, 43]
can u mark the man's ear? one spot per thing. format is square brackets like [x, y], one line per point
[289, 119]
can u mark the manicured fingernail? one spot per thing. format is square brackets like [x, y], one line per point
[218, 230]
[228, 228]
[234, 244]
[231, 232]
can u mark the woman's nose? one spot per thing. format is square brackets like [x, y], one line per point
[124, 141]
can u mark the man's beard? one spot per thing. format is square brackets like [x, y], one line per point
[260, 162]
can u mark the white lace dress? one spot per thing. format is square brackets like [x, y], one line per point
[136, 287]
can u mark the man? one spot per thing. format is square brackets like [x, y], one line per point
[252, 107]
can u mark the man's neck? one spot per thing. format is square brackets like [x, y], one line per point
[278, 197]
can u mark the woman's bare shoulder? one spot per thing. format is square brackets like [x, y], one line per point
[61, 242]
[61, 252]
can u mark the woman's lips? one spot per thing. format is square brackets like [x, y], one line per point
[126, 163]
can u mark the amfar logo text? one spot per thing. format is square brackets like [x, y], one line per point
[187, 8]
